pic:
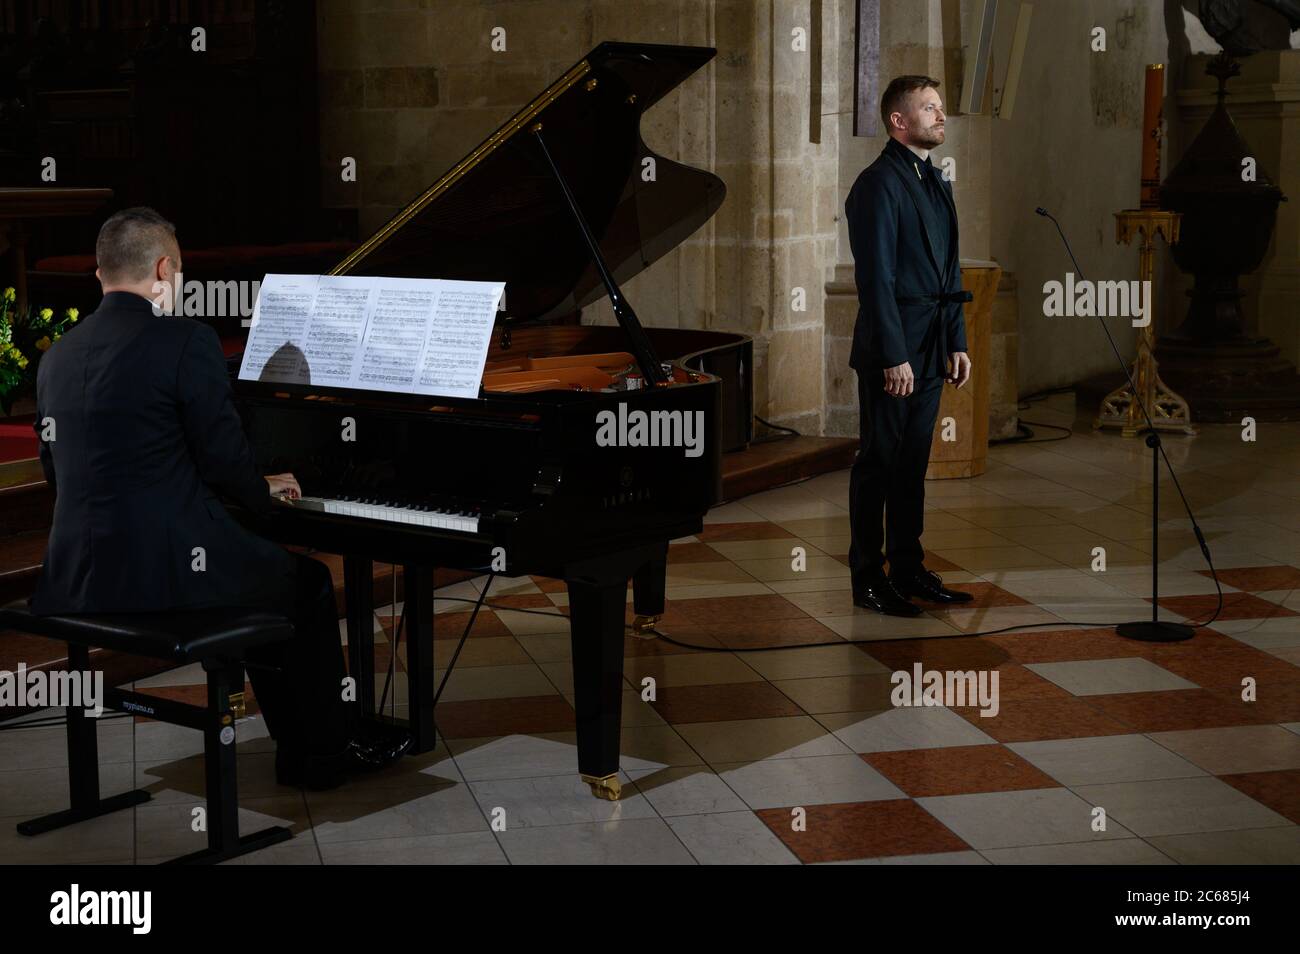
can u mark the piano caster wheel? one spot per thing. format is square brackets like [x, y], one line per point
[607, 787]
[643, 627]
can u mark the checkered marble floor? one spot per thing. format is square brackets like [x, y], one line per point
[1102, 751]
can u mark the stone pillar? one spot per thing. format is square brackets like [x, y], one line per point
[775, 232]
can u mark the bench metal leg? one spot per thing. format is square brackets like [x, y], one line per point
[220, 776]
[221, 788]
[83, 767]
[70, 816]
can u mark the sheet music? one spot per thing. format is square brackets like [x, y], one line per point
[280, 316]
[405, 335]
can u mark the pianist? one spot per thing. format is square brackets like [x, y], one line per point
[140, 439]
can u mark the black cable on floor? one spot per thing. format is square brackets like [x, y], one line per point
[478, 605]
[836, 642]
[776, 427]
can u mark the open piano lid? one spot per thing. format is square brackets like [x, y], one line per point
[499, 213]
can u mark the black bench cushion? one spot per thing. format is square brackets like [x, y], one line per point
[180, 636]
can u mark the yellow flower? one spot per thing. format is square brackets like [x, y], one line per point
[47, 314]
[44, 343]
[72, 314]
[22, 362]
[9, 294]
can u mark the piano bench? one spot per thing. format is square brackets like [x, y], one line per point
[216, 638]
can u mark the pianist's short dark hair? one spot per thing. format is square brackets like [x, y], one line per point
[896, 93]
[131, 241]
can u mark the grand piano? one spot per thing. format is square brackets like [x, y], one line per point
[556, 204]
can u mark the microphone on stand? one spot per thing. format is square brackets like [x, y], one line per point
[1154, 630]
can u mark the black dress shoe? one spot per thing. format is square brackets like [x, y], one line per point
[928, 586]
[378, 745]
[372, 748]
[880, 595]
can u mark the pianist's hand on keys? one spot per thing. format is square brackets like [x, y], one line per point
[284, 486]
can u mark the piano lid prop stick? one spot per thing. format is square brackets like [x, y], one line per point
[627, 319]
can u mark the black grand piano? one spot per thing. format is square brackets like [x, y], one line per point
[556, 203]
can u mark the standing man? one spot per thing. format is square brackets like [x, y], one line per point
[910, 337]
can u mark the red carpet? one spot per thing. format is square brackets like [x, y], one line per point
[17, 439]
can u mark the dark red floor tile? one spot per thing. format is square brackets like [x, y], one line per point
[843, 832]
[526, 715]
[1255, 579]
[1235, 606]
[1280, 791]
[959, 770]
[728, 532]
[1177, 709]
[1033, 720]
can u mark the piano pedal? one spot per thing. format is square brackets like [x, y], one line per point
[238, 709]
[607, 787]
[643, 627]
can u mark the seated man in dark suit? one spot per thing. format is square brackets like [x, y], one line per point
[140, 437]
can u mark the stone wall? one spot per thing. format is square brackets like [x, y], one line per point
[408, 87]
[1074, 147]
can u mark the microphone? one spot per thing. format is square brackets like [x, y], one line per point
[1042, 211]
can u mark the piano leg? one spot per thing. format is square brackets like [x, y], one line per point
[418, 584]
[596, 612]
[648, 594]
[358, 592]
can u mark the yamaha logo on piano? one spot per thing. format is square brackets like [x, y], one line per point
[684, 429]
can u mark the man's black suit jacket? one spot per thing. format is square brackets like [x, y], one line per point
[145, 437]
[900, 268]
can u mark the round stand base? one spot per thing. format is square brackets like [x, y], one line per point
[1149, 632]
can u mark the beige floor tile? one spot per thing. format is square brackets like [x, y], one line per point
[690, 669]
[996, 617]
[811, 586]
[855, 693]
[836, 546]
[1260, 846]
[1080, 556]
[962, 539]
[867, 627]
[979, 559]
[996, 518]
[818, 661]
[764, 549]
[942, 520]
[827, 603]
[711, 590]
[781, 568]
[817, 526]
[753, 740]
[708, 574]
[734, 512]
[654, 747]
[1233, 750]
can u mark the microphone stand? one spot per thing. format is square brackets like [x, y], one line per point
[1153, 630]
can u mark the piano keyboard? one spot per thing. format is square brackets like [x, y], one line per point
[420, 515]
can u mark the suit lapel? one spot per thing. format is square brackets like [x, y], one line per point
[946, 190]
[914, 185]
